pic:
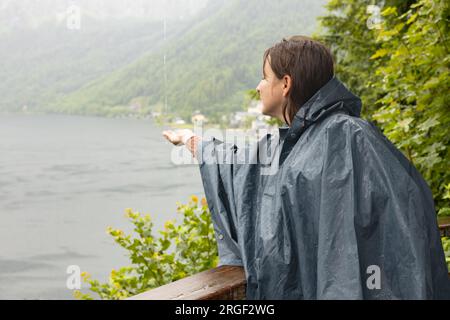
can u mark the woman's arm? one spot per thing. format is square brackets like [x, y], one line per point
[192, 144]
[218, 185]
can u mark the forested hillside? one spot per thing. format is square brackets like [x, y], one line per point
[43, 59]
[209, 64]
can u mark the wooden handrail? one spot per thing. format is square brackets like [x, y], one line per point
[221, 283]
[444, 226]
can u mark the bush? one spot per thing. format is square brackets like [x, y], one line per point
[400, 71]
[179, 251]
[446, 246]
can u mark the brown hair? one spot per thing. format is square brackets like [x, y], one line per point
[308, 62]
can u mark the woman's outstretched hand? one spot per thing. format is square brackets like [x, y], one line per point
[178, 137]
[182, 137]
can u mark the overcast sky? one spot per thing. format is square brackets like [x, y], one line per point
[34, 12]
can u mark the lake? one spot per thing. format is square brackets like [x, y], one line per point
[63, 181]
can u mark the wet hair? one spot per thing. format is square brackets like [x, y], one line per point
[307, 61]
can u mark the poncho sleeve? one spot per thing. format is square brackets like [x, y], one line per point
[216, 172]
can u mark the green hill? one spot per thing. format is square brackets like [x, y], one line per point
[42, 60]
[210, 61]
[209, 64]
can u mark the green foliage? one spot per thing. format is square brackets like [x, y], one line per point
[400, 70]
[445, 211]
[275, 122]
[446, 246]
[180, 250]
[415, 83]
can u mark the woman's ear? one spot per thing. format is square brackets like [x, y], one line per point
[287, 84]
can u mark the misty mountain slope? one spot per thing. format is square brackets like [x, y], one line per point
[43, 60]
[208, 67]
[40, 70]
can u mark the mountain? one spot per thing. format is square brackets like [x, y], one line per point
[206, 64]
[43, 59]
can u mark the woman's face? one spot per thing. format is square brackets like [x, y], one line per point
[272, 92]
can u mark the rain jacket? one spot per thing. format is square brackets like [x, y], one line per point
[338, 213]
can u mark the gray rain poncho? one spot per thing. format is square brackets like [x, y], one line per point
[339, 212]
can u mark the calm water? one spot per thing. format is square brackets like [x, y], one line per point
[63, 180]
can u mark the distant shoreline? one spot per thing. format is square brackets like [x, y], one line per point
[157, 123]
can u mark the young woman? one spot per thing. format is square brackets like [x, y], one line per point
[343, 216]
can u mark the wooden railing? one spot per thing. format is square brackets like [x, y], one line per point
[444, 226]
[221, 283]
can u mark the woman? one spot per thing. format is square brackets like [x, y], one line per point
[344, 216]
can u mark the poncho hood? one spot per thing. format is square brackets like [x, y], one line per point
[332, 97]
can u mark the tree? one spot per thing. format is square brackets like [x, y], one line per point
[399, 68]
